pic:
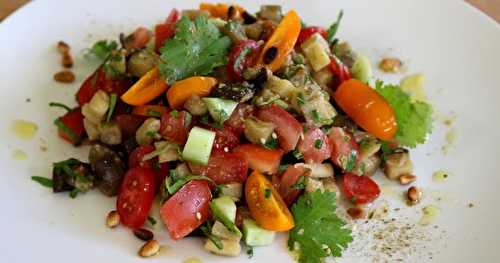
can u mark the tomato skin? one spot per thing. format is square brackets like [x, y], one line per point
[287, 127]
[74, 121]
[224, 138]
[166, 30]
[223, 167]
[359, 189]
[287, 181]
[367, 108]
[175, 127]
[129, 124]
[340, 71]
[179, 213]
[307, 146]
[344, 146]
[259, 158]
[306, 33]
[237, 61]
[237, 120]
[99, 81]
[135, 160]
[135, 197]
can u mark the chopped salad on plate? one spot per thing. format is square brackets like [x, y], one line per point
[241, 125]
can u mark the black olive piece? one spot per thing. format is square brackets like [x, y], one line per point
[270, 55]
[59, 183]
[248, 18]
[143, 234]
[109, 172]
[260, 79]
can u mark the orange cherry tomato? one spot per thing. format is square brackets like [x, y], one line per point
[367, 108]
[283, 39]
[149, 110]
[146, 89]
[183, 89]
[266, 205]
[219, 10]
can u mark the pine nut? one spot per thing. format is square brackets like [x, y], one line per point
[414, 195]
[390, 65]
[143, 234]
[64, 76]
[150, 248]
[113, 219]
[67, 60]
[407, 179]
[356, 212]
[62, 47]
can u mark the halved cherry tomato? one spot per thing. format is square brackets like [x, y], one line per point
[266, 205]
[73, 120]
[135, 159]
[149, 110]
[146, 89]
[283, 39]
[307, 32]
[224, 138]
[259, 158]
[367, 108]
[345, 149]
[242, 213]
[175, 126]
[166, 30]
[315, 146]
[288, 128]
[183, 89]
[237, 120]
[223, 167]
[287, 182]
[136, 196]
[359, 189]
[340, 71]
[187, 209]
[99, 81]
[241, 57]
[129, 124]
[220, 10]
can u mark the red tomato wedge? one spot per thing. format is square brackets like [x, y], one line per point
[223, 167]
[187, 209]
[224, 138]
[340, 71]
[136, 196]
[287, 181]
[287, 127]
[73, 120]
[99, 81]
[242, 55]
[306, 33]
[129, 124]
[345, 149]
[175, 126]
[359, 189]
[237, 120]
[315, 146]
[166, 30]
[259, 158]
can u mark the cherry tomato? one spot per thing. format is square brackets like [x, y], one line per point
[315, 146]
[340, 71]
[135, 197]
[135, 160]
[242, 55]
[129, 124]
[287, 182]
[175, 126]
[187, 209]
[99, 81]
[224, 138]
[359, 189]
[73, 120]
[237, 120]
[166, 30]
[345, 149]
[259, 158]
[367, 108]
[223, 167]
[306, 33]
[287, 127]
[266, 205]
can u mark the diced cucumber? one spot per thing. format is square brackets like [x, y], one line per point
[254, 235]
[230, 248]
[362, 69]
[220, 109]
[316, 50]
[233, 190]
[198, 146]
[224, 210]
[221, 231]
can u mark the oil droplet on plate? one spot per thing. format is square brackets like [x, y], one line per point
[19, 155]
[24, 129]
[192, 260]
[440, 176]
[429, 214]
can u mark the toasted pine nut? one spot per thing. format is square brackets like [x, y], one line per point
[150, 248]
[113, 219]
[143, 234]
[356, 212]
[64, 76]
[67, 60]
[414, 195]
[407, 179]
[390, 65]
[62, 47]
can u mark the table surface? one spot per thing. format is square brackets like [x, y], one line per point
[490, 7]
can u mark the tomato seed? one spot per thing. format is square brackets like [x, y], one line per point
[143, 234]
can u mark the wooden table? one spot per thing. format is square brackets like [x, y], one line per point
[490, 7]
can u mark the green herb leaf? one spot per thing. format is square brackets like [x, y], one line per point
[174, 185]
[332, 30]
[349, 163]
[196, 49]
[318, 231]
[301, 98]
[206, 230]
[112, 104]
[300, 184]
[297, 154]
[318, 143]
[250, 252]
[315, 116]
[283, 167]
[174, 114]
[103, 48]
[271, 143]
[47, 182]
[151, 220]
[153, 113]
[60, 105]
[68, 131]
[267, 193]
[74, 193]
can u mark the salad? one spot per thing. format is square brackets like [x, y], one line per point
[240, 125]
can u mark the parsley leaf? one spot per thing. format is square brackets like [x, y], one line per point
[318, 143]
[414, 119]
[300, 184]
[318, 231]
[267, 193]
[196, 49]
[271, 143]
[332, 30]
[103, 48]
[151, 220]
[112, 105]
[47, 182]
[60, 105]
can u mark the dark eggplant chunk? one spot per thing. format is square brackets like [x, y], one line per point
[59, 182]
[109, 174]
[239, 92]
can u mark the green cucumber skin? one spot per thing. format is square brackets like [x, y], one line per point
[224, 209]
[216, 106]
[254, 235]
[198, 146]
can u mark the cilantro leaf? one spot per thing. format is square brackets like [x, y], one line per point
[332, 30]
[103, 48]
[414, 119]
[318, 231]
[196, 49]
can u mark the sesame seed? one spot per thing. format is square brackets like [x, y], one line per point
[226, 149]
[198, 215]
[262, 140]
[274, 135]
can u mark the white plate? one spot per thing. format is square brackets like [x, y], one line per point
[454, 45]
